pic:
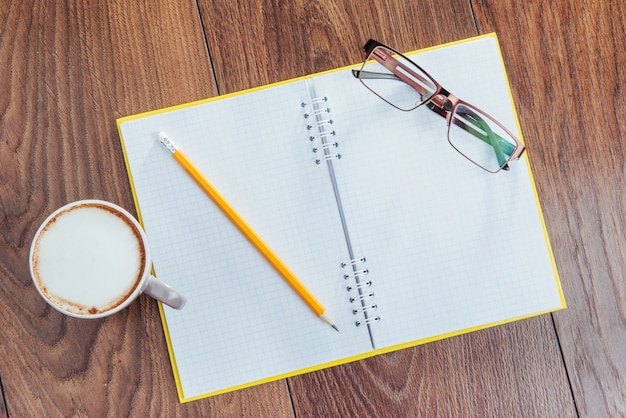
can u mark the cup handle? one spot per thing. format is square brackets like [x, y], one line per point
[161, 291]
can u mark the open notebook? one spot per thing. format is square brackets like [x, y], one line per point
[433, 245]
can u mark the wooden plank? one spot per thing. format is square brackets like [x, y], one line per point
[280, 41]
[69, 70]
[515, 370]
[568, 62]
[512, 370]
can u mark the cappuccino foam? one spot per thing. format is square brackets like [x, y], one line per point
[88, 259]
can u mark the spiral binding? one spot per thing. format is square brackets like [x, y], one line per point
[365, 309]
[319, 124]
[316, 100]
[316, 111]
[327, 145]
[359, 285]
[356, 273]
[319, 115]
[361, 295]
[353, 262]
[367, 321]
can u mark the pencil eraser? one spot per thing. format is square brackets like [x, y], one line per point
[161, 136]
[166, 142]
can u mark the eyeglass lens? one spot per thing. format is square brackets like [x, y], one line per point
[404, 86]
[479, 138]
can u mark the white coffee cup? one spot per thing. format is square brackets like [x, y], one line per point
[91, 259]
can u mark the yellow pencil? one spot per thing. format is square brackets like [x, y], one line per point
[246, 230]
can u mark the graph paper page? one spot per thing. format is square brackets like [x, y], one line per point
[242, 322]
[449, 247]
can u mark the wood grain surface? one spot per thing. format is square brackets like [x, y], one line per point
[569, 82]
[71, 68]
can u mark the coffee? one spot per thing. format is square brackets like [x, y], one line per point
[88, 259]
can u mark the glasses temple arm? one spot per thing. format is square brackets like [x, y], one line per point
[372, 75]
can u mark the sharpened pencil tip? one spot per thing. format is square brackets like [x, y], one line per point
[324, 316]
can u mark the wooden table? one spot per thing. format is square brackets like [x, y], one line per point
[70, 68]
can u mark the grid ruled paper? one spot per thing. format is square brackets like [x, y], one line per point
[242, 322]
[448, 245]
[449, 248]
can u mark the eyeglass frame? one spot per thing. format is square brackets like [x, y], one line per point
[441, 101]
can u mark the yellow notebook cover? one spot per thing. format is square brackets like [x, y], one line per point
[401, 239]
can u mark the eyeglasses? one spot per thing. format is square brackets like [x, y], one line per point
[405, 85]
